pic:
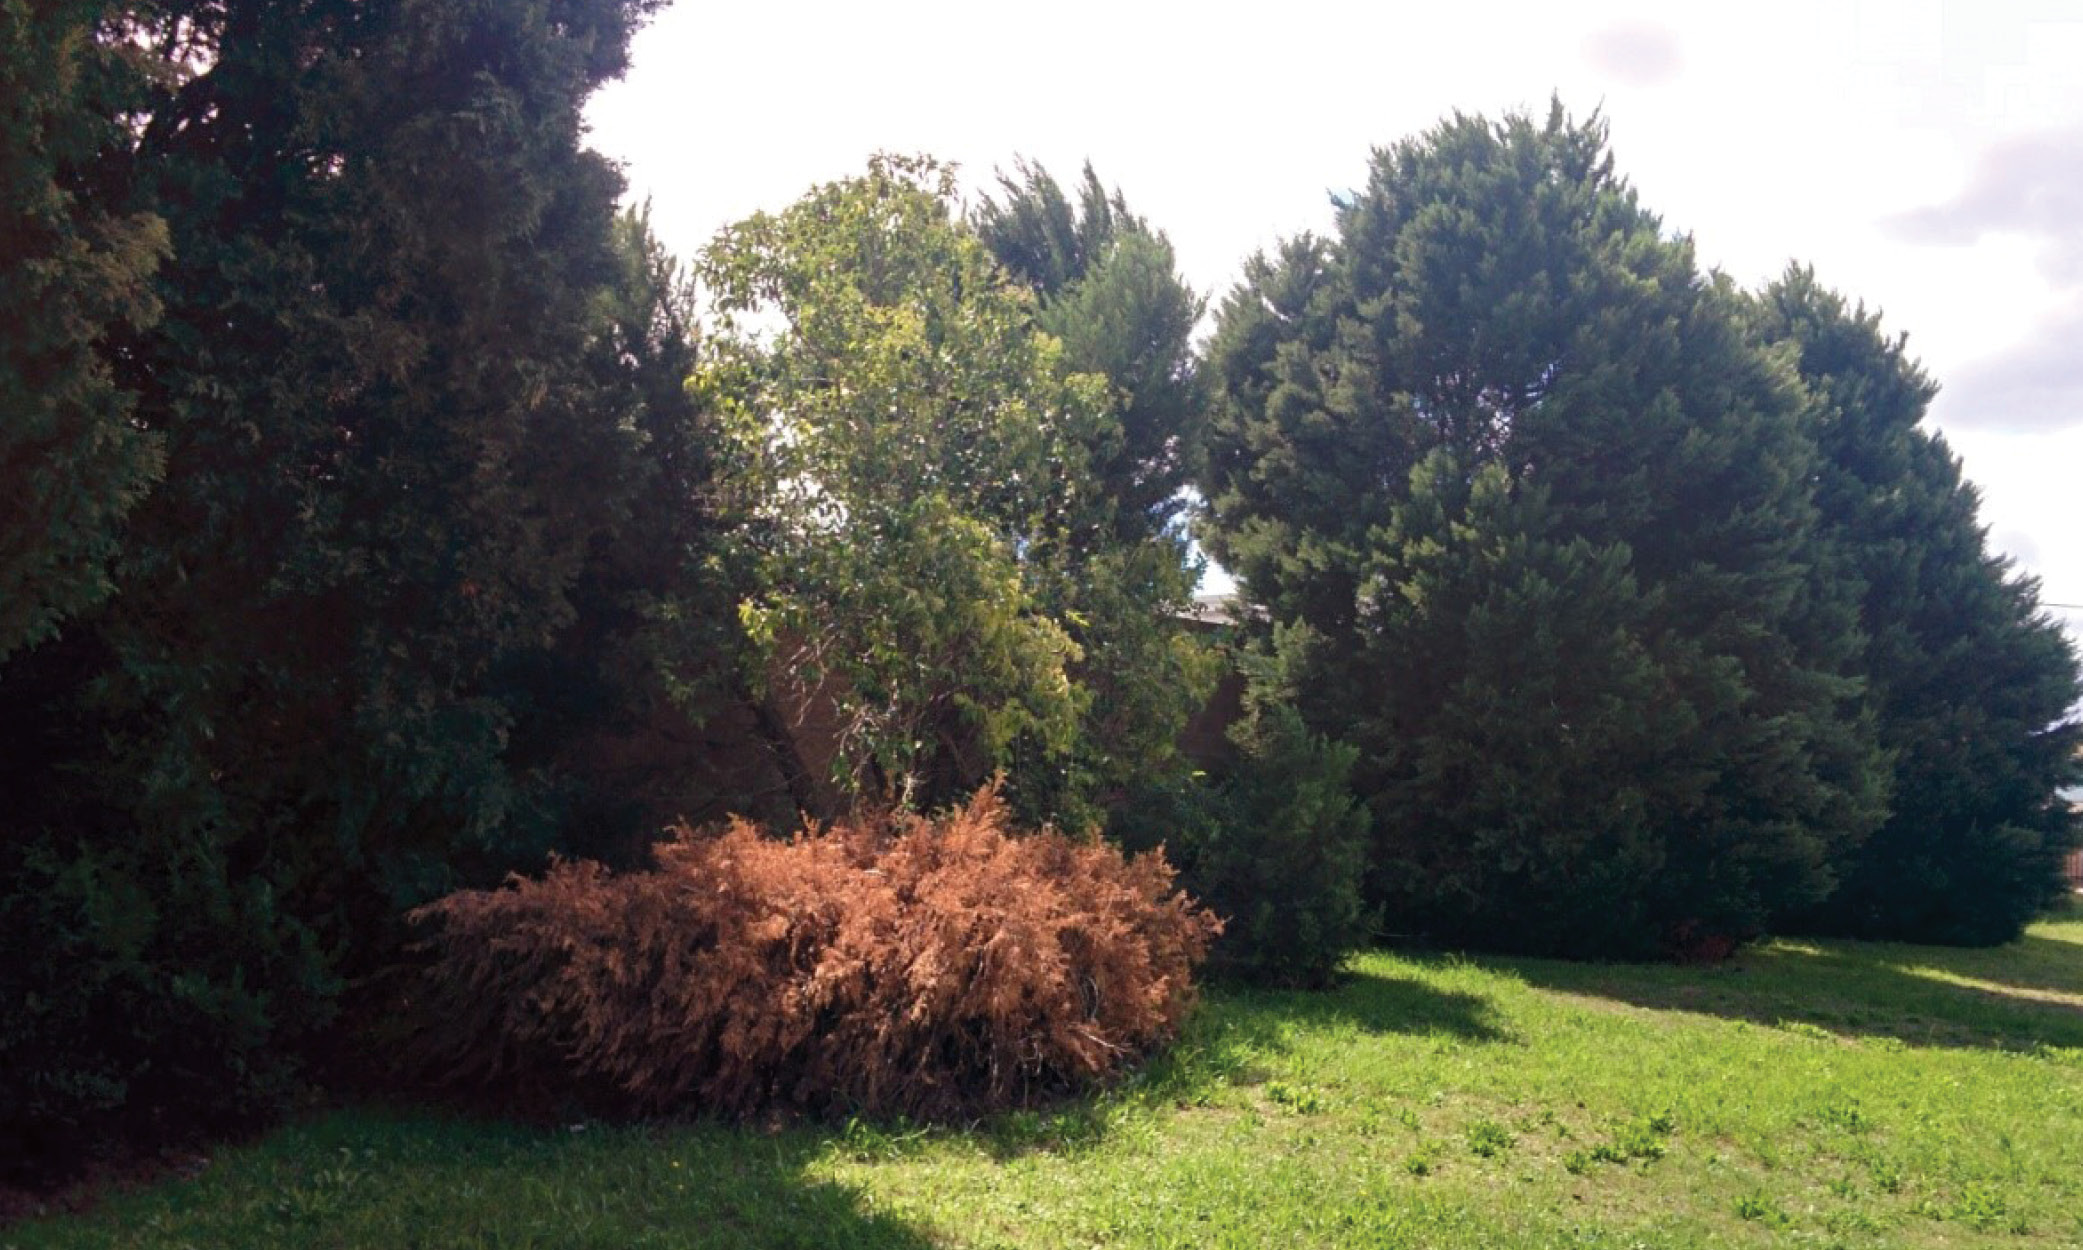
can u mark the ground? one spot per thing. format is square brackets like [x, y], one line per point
[1804, 1094]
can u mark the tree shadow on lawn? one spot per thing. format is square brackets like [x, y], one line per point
[1232, 1039]
[384, 1178]
[1240, 1025]
[1373, 1003]
[2015, 997]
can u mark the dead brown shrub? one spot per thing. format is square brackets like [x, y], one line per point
[889, 965]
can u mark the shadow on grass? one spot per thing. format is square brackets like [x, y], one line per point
[2017, 997]
[1235, 1038]
[374, 1178]
[1370, 1002]
[1238, 1027]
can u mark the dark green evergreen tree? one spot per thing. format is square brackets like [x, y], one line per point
[1538, 516]
[1109, 290]
[629, 714]
[74, 267]
[394, 419]
[402, 423]
[1973, 687]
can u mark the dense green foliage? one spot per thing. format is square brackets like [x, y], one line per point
[75, 266]
[398, 422]
[941, 565]
[907, 452]
[1973, 688]
[1539, 513]
[1285, 861]
[1270, 835]
[1110, 294]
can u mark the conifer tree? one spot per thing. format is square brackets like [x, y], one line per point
[1538, 516]
[399, 426]
[1109, 292]
[74, 267]
[1973, 688]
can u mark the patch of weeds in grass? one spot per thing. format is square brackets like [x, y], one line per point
[1488, 1139]
[1887, 1174]
[1802, 1028]
[1980, 1206]
[1757, 1208]
[1213, 1055]
[866, 1141]
[1076, 1128]
[1843, 1115]
[1060, 1132]
[320, 1197]
[1578, 1162]
[1421, 1163]
[1019, 1129]
[1849, 1222]
[1300, 1099]
[1636, 1143]
[1644, 1140]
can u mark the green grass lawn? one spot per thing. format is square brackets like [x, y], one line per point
[1806, 1094]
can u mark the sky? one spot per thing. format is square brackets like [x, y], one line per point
[1925, 156]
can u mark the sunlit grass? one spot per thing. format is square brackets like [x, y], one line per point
[1807, 1094]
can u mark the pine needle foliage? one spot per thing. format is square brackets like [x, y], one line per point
[1540, 524]
[890, 964]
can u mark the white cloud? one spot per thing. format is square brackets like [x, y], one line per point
[2029, 185]
[2034, 386]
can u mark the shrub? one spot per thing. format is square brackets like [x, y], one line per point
[1277, 848]
[890, 965]
[135, 1016]
[1288, 868]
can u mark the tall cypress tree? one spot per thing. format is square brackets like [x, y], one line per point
[399, 425]
[1111, 291]
[394, 429]
[1974, 689]
[1108, 289]
[74, 268]
[1540, 515]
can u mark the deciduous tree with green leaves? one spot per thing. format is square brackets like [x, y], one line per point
[910, 457]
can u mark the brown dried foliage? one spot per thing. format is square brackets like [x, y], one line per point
[892, 964]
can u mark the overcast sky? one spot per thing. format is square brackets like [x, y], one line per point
[1925, 156]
